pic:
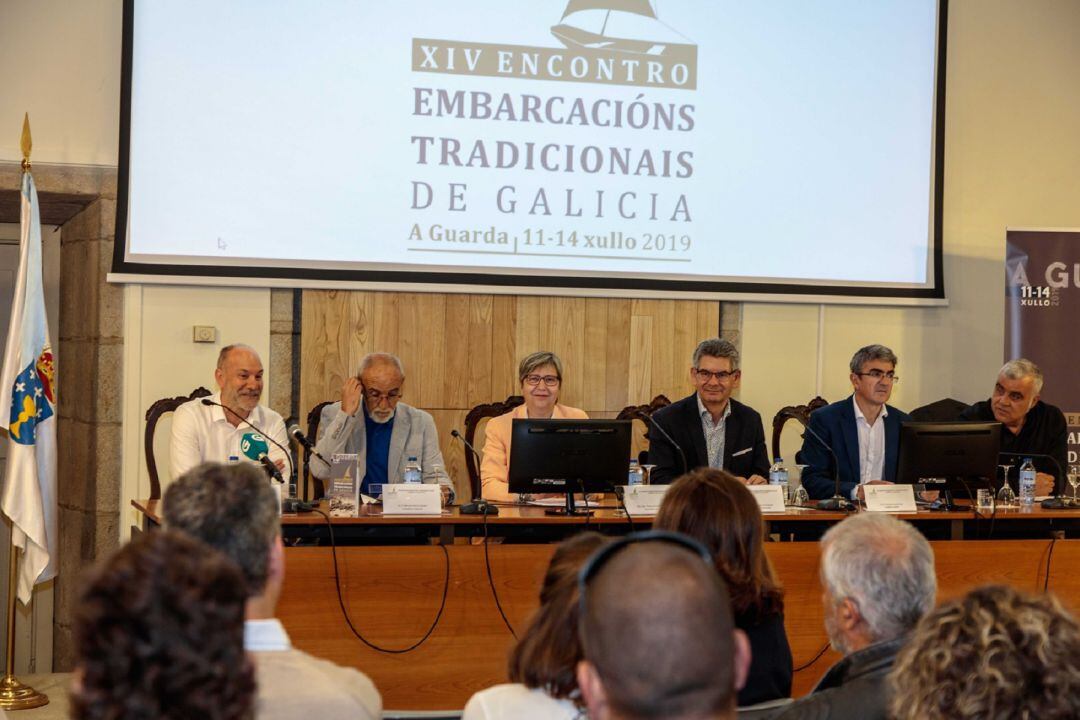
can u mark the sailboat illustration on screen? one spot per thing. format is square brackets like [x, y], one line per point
[625, 26]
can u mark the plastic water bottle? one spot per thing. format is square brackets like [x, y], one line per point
[637, 475]
[1027, 483]
[413, 472]
[778, 475]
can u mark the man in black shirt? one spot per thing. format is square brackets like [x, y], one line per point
[1030, 425]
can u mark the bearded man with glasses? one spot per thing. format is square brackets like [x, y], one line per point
[863, 431]
[712, 429]
[371, 421]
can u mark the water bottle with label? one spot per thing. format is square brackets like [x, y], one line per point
[778, 475]
[1027, 483]
[637, 475]
[413, 473]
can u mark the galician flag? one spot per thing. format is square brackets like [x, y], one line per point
[28, 411]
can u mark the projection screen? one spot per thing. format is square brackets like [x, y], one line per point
[617, 147]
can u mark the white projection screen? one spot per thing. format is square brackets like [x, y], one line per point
[648, 148]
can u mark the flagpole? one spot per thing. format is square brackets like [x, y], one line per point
[16, 695]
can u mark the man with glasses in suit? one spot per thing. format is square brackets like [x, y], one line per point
[711, 428]
[863, 431]
[372, 422]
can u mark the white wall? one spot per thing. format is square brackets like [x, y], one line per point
[161, 360]
[60, 62]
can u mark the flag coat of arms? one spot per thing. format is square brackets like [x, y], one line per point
[28, 411]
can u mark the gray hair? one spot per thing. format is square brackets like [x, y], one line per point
[380, 358]
[231, 508]
[1021, 368]
[530, 362]
[885, 566]
[717, 348]
[224, 354]
[869, 353]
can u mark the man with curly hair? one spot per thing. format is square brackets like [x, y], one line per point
[997, 653]
[233, 509]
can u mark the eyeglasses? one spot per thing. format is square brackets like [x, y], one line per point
[548, 380]
[707, 375]
[376, 397]
[600, 558]
[879, 375]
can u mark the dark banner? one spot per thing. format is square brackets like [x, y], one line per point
[1042, 314]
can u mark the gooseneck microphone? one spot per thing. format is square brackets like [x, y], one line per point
[649, 419]
[477, 506]
[288, 455]
[837, 501]
[298, 435]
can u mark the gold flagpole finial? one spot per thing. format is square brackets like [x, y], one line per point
[26, 142]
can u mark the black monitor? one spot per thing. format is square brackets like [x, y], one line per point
[949, 453]
[568, 456]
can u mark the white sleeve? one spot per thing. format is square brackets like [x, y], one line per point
[185, 442]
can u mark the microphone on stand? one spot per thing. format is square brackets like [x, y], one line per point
[298, 435]
[477, 506]
[649, 419]
[288, 455]
[837, 501]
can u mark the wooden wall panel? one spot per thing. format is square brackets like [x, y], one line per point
[462, 350]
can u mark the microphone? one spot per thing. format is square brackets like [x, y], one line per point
[1054, 503]
[649, 419]
[478, 506]
[270, 467]
[298, 435]
[837, 501]
[288, 455]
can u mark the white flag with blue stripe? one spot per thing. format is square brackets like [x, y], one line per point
[28, 411]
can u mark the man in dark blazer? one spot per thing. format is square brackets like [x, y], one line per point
[863, 431]
[712, 429]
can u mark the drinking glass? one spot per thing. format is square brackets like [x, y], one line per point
[1006, 496]
[1074, 479]
[647, 477]
[799, 497]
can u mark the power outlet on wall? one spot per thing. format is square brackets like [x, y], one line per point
[204, 334]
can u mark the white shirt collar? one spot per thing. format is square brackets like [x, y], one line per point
[265, 636]
[859, 413]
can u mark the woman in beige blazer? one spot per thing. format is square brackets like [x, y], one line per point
[540, 375]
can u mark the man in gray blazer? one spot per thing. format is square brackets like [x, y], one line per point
[372, 422]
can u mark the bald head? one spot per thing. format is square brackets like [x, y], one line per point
[658, 637]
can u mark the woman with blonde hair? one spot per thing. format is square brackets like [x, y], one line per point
[717, 510]
[540, 375]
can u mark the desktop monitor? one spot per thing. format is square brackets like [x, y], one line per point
[568, 456]
[949, 452]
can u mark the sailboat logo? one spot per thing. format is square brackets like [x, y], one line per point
[623, 26]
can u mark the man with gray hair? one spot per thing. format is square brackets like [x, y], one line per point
[710, 427]
[233, 509]
[862, 429]
[1029, 424]
[878, 580]
[371, 421]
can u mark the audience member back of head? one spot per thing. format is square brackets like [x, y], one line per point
[995, 654]
[658, 638]
[159, 634]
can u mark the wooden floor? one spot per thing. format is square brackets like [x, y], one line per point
[393, 595]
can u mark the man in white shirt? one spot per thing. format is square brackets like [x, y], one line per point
[233, 509]
[862, 430]
[214, 433]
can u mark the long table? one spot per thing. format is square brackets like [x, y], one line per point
[393, 595]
